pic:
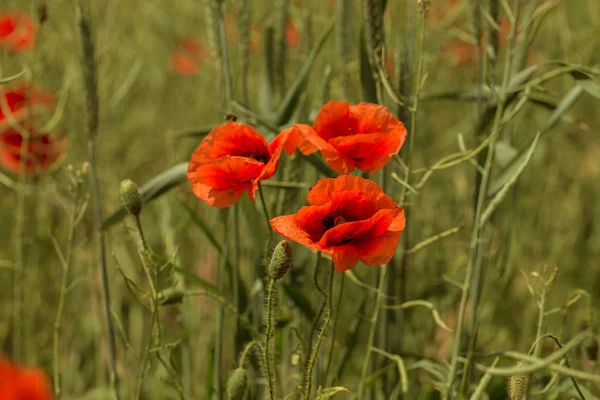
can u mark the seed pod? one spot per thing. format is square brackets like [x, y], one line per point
[517, 385]
[281, 261]
[170, 296]
[237, 384]
[131, 197]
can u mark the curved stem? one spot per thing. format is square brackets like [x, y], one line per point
[315, 352]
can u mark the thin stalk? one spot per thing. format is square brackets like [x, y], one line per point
[218, 5]
[19, 268]
[415, 44]
[268, 334]
[537, 349]
[315, 351]
[335, 320]
[217, 381]
[152, 277]
[477, 227]
[235, 278]
[63, 294]
[88, 66]
[370, 341]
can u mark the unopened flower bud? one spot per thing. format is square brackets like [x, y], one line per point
[237, 384]
[517, 385]
[281, 261]
[170, 296]
[131, 197]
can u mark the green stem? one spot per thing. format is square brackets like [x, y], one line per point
[268, 334]
[335, 320]
[315, 352]
[477, 227]
[63, 294]
[220, 309]
[89, 73]
[537, 349]
[379, 298]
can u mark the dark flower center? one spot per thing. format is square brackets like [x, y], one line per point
[263, 158]
[332, 220]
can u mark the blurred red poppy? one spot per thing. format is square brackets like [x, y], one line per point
[292, 37]
[18, 383]
[183, 63]
[232, 159]
[350, 218]
[363, 136]
[17, 31]
[15, 102]
[43, 152]
[187, 58]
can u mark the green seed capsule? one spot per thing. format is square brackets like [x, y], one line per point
[237, 384]
[281, 261]
[131, 197]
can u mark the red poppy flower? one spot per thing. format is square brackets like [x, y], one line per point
[183, 63]
[187, 58]
[16, 102]
[232, 159]
[292, 37]
[43, 152]
[16, 31]
[363, 136]
[23, 383]
[350, 218]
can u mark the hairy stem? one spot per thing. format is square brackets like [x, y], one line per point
[315, 351]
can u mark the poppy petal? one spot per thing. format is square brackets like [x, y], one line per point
[288, 227]
[226, 173]
[345, 258]
[321, 193]
[231, 139]
[351, 232]
[335, 119]
[369, 152]
[378, 250]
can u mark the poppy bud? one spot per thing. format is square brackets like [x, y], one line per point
[281, 261]
[170, 296]
[237, 384]
[517, 385]
[131, 197]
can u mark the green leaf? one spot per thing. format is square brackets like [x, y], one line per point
[242, 293]
[200, 131]
[300, 300]
[367, 81]
[11, 78]
[157, 186]
[352, 338]
[329, 392]
[319, 164]
[591, 87]
[438, 371]
[516, 163]
[504, 154]
[210, 373]
[265, 92]
[290, 101]
[192, 278]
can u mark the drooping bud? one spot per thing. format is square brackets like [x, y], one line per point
[131, 197]
[237, 384]
[170, 296]
[517, 385]
[281, 260]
